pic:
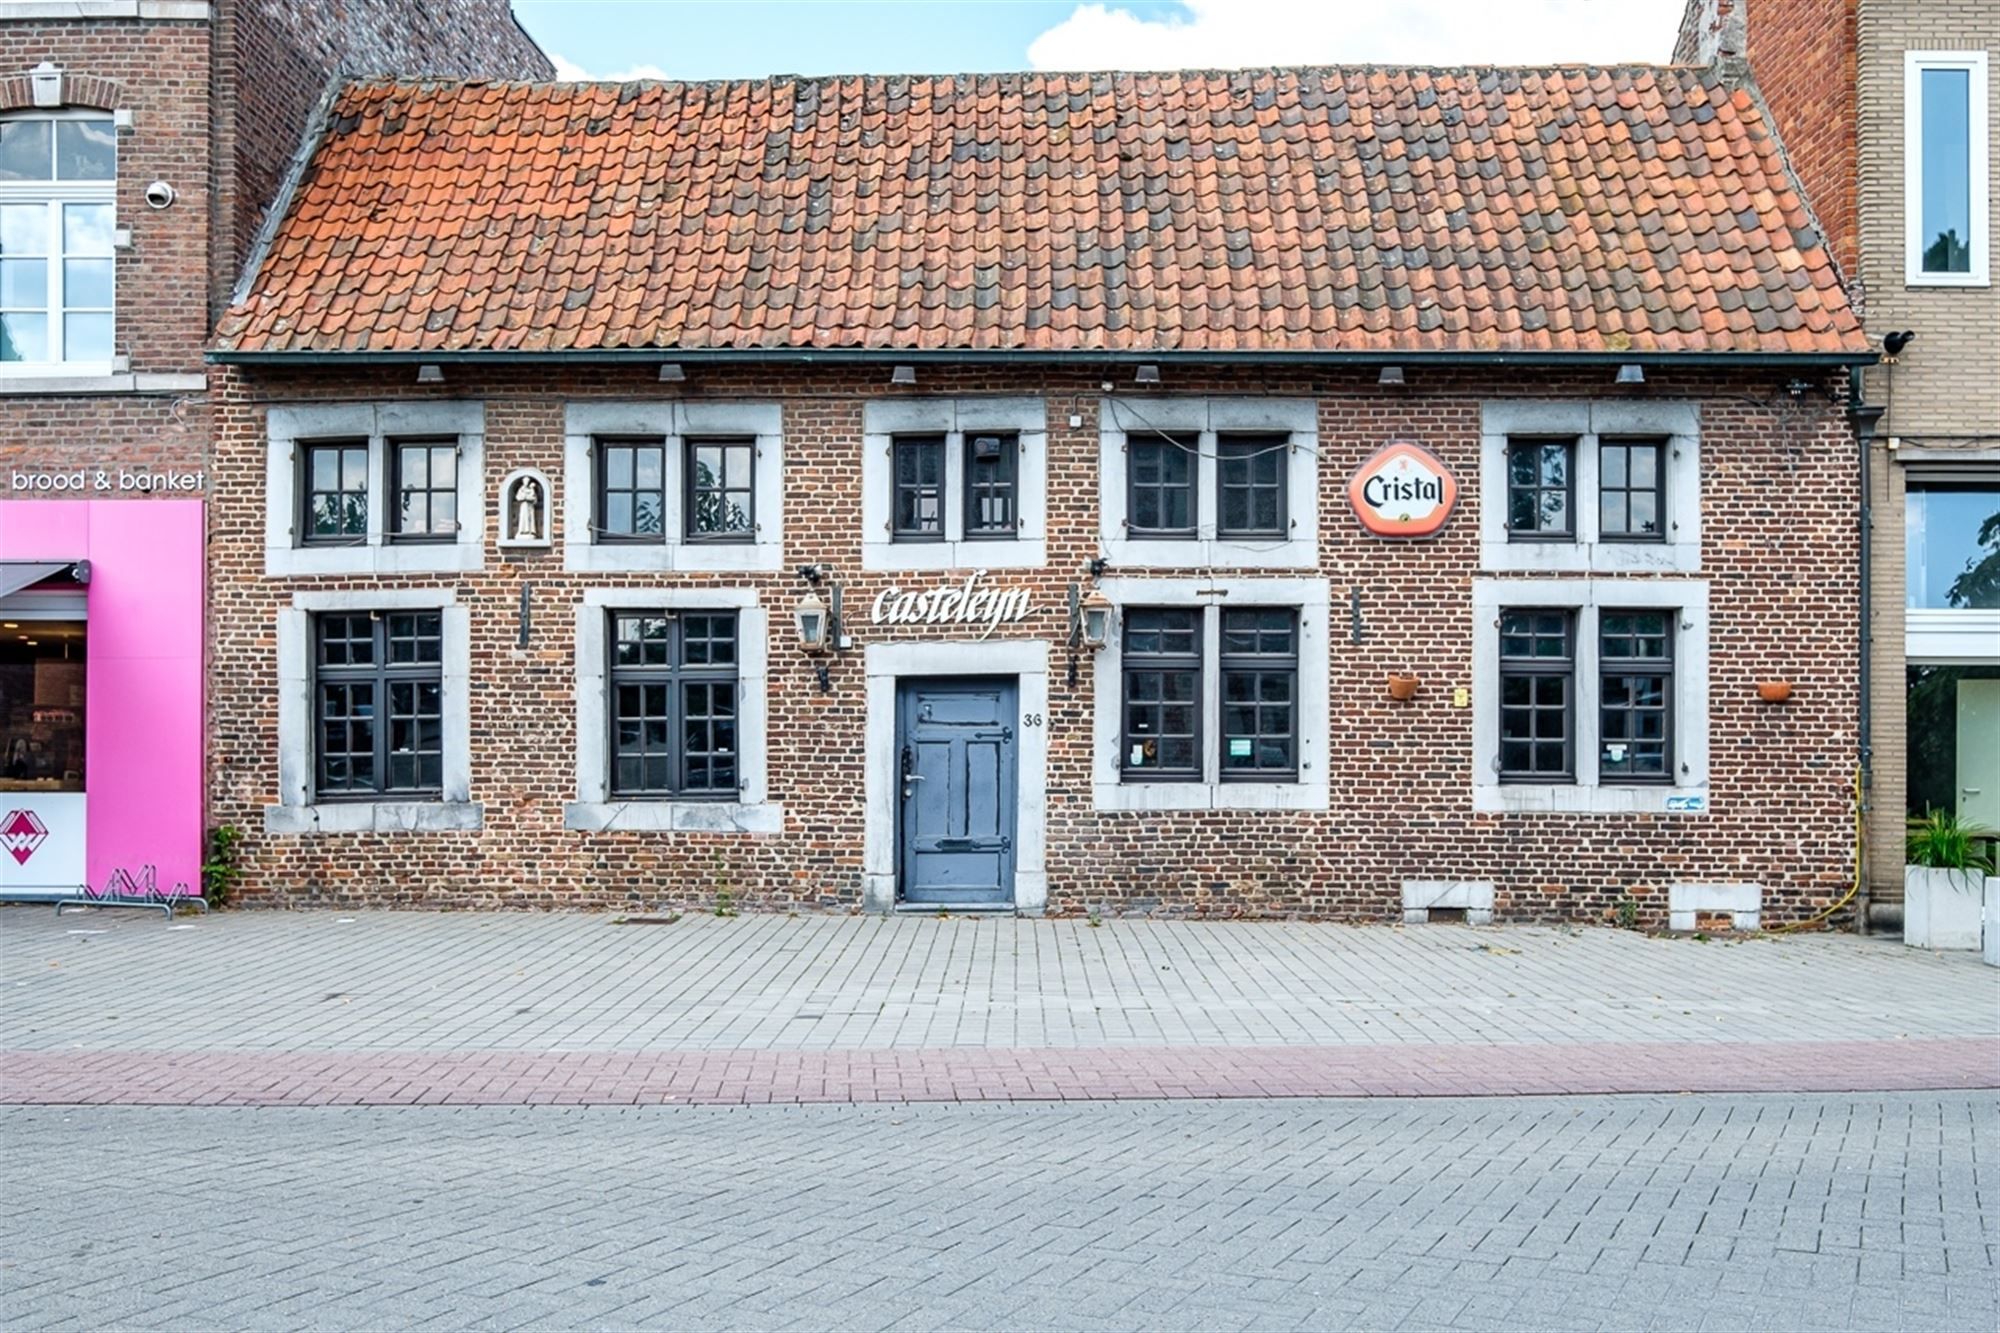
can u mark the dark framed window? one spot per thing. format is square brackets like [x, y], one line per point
[1162, 666]
[992, 486]
[334, 500]
[918, 514]
[1259, 665]
[1541, 490]
[378, 703]
[673, 704]
[1537, 696]
[720, 496]
[423, 477]
[1636, 690]
[1160, 499]
[631, 490]
[1632, 490]
[1250, 474]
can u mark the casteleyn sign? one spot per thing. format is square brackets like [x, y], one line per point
[964, 604]
[1403, 491]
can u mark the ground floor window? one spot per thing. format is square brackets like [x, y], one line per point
[673, 703]
[41, 705]
[378, 703]
[1954, 742]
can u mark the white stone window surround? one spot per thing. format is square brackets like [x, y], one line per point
[954, 418]
[1589, 424]
[1112, 791]
[1974, 63]
[1207, 418]
[596, 810]
[672, 421]
[296, 811]
[1587, 795]
[289, 428]
[885, 664]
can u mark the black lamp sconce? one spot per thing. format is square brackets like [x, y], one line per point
[818, 622]
[1089, 619]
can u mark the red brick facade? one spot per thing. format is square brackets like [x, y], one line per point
[1777, 552]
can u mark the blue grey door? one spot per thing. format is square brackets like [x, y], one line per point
[955, 761]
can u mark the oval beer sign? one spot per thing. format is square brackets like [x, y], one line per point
[1403, 491]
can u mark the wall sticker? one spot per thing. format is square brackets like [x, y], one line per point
[1403, 491]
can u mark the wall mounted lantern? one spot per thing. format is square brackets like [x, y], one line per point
[812, 617]
[1095, 620]
[818, 624]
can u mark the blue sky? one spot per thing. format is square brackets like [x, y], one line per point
[700, 39]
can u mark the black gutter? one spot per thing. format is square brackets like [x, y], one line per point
[1029, 357]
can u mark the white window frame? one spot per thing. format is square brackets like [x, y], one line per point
[954, 418]
[673, 422]
[1588, 423]
[1110, 788]
[1914, 64]
[296, 812]
[595, 809]
[1207, 418]
[1586, 793]
[54, 194]
[289, 428]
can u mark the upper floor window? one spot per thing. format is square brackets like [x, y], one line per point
[1945, 164]
[57, 174]
[1209, 482]
[374, 488]
[655, 486]
[1590, 487]
[953, 483]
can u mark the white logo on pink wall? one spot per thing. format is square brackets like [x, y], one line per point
[21, 832]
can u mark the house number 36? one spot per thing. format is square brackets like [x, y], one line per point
[1031, 719]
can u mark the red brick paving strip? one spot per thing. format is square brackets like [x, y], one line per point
[524, 1078]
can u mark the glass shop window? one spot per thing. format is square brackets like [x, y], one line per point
[1951, 535]
[41, 705]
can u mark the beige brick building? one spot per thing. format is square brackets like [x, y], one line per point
[1889, 114]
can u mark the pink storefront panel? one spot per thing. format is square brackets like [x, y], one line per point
[143, 695]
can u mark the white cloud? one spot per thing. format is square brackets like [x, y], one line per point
[1223, 34]
[568, 71]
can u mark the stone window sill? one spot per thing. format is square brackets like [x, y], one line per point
[376, 817]
[1537, 799]
[637, 816]
[22, 386]
[1167, 796]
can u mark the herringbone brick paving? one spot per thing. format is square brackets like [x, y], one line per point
[1864, 1211]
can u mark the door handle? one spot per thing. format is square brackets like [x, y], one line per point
[1970, 791]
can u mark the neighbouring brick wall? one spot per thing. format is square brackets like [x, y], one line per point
[159, 72]
[1802, 56]
[1778, 553]
[277, 57]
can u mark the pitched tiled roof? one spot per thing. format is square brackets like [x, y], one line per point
[1633, 209]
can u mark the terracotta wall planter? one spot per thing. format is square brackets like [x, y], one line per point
[1774, 691]
[1402, 688]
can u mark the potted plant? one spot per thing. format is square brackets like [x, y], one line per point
[1942, 878]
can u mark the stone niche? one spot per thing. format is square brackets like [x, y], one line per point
[525, 510]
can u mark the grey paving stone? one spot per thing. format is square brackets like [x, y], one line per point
[1161, 1215]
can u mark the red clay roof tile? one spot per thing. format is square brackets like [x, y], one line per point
[1630, 209]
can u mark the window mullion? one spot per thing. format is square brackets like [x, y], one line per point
[1208, 680]
[56, 334]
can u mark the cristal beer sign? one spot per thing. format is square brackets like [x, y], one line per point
[1403, 491]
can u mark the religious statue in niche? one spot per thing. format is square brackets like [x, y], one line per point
[524, 509]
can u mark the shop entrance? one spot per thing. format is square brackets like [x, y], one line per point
[43, 651]
[956, 744]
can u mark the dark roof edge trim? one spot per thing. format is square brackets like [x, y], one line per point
[989, 357]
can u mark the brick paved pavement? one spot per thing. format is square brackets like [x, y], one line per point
[1871, 1211]
[466, 982]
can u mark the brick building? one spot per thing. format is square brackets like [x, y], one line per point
[141, 142]
[1888, 114]
[1134, 431]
